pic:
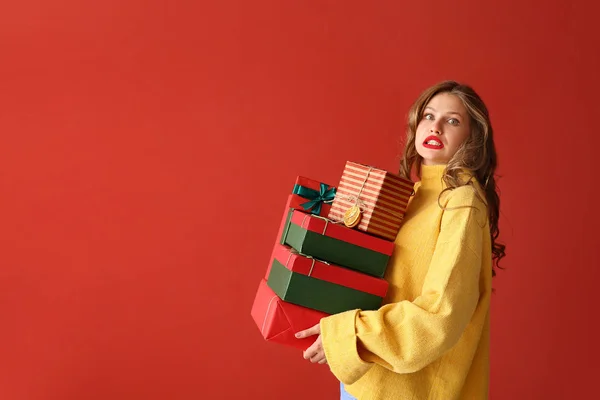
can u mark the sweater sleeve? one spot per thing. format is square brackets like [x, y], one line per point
[406, 336]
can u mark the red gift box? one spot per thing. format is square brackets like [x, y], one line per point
[381, 196]
[312, 196]
[279, 321]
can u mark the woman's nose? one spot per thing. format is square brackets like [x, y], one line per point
[435, 128]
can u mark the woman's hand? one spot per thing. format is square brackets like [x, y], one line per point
[315, 352]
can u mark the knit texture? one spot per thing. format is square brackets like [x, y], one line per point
[430, 339]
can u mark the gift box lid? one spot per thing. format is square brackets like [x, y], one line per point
[324, 226]
[318, 269]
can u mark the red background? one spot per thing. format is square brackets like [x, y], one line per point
[148, 146]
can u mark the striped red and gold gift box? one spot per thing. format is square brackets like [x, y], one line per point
[382, 197]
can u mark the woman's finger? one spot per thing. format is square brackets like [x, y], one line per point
[311, 351]
[318, 357]
[314, 330]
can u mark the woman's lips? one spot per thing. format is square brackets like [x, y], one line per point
[433, 142]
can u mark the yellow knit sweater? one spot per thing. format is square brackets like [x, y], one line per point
[430, 339]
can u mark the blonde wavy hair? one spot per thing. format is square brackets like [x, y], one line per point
[476, 157]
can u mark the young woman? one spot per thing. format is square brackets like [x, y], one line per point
[430, 339]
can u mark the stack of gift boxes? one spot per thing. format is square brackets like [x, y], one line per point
[332, 251]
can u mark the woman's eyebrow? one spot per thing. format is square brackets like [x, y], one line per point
[449, 112]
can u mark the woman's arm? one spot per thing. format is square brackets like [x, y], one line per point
[407, 336]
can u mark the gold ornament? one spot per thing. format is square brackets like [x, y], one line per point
[352, 216]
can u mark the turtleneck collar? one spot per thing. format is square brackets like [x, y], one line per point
[431, 175]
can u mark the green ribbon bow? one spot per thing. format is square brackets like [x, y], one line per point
[316, 197]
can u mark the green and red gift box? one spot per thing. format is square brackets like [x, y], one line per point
[305, 281]
[335, 243]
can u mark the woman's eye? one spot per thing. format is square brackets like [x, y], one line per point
[453, 121]
[428, 116]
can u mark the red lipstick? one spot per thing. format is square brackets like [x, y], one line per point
[438, 143]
